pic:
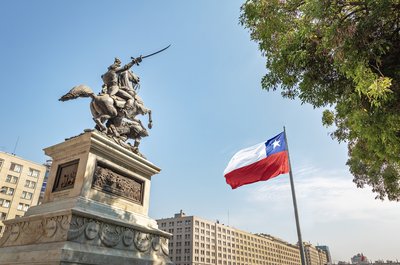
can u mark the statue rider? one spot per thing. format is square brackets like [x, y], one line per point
[111, 78]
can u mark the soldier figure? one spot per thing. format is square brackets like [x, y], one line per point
[111, 78]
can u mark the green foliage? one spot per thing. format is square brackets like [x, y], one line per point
[343, 55]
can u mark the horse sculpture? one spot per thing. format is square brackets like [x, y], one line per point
[119, 123]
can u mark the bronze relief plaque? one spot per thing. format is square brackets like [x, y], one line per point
[66, 175]
[118, 183]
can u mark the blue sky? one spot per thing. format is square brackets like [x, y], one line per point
[207, 104]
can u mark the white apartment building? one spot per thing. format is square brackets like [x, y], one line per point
[20, 184]
[197, 241]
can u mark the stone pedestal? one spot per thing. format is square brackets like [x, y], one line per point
[95, 210]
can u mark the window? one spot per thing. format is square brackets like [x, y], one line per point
[15, 167]
[11, 179]
[1, 163]
[3, 216]
[33, 173]
[5, 203]
[26, 195]
[32, 185]
[7, 190]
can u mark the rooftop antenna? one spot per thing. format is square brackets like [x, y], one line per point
[228, 218]
[15, 147]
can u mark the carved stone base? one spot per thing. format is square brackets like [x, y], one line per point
[75, 237]
[95, 210]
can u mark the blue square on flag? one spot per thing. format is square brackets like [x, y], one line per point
[276, 144]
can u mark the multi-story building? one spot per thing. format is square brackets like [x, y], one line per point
[47, 164]
[311, 254]
[197, 241]
[20, 184]
[323, 258]
[315, 255]
[359, 259]
[327, 252]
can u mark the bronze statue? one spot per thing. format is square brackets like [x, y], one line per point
[115, 108]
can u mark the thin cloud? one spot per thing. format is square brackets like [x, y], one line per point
[318, 190]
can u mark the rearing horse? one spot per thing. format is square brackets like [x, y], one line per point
[103, 108]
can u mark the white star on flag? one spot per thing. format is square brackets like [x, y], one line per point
[275, 144]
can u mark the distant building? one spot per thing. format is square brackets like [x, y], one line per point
[20, 184]
[387, 262]
[46, 176]
[312, 255]
[359, 259]
[323, 257]
[327, 252]
[197, 241]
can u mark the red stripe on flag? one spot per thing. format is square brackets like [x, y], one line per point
[262, 170]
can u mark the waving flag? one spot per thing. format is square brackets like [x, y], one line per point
[258, 163]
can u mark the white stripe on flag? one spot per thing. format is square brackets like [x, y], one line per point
[246, 157]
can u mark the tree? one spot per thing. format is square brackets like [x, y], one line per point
[344, 56]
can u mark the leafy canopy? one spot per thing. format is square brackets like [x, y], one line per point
[343, 55]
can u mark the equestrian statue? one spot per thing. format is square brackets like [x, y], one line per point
[116, 107]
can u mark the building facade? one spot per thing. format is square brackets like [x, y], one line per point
[359, 259]
[197, 241]
[314, 255]
[20, 184]
[325, 249]
[323, 257]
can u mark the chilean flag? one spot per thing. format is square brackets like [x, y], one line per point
[259, 162]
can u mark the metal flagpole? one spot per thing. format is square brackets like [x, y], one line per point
[301, 248]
